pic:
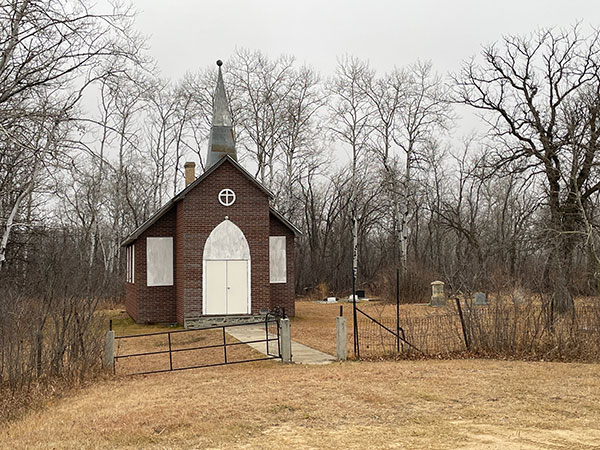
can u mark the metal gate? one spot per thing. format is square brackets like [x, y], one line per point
[382, 330]
[215, 339]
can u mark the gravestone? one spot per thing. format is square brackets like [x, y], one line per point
[480, 299]
[518, 296]
[438, 298]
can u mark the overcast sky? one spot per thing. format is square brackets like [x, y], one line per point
[189, 34]
[185, 35]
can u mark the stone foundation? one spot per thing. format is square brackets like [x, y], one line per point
[211, 321]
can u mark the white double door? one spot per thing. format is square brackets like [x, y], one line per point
[227, 287]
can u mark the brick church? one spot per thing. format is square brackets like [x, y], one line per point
[217, 249]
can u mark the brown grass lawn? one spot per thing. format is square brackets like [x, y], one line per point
[473, 404]
[181, 357]
[477, 404]
[313, 325]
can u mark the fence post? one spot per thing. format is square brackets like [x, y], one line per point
[286, 341]
[109, 350]
[397, 310]
[342, 350]
[462, 323]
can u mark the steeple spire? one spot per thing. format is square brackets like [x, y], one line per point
[220, 141]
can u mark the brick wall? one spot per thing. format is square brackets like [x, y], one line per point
[283, 294]
[179, 272]
[190, 222]
[131, 300]
[152, 303]
[202, 212]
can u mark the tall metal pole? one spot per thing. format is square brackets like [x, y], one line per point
[398, 310]
[354, 270]
[354, 249]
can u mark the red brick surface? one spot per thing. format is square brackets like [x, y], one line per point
[283, 294]
[189, 223]
[203, 212]
[179, 274]
[152, 303]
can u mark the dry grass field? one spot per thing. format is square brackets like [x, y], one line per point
[442, 404]
[313, 325]
[182, 344]
[476, 404]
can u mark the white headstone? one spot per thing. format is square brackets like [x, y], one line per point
[518, 296]
[438, 298]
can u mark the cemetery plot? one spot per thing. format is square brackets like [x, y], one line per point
[501, 328]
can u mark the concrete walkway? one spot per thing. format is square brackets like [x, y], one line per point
[301, 354]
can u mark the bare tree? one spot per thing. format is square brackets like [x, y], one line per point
[262, 87]
[387, 94]
[527, 88]
[51, 53]
[351, 115]
[300, 135]
[425, 114]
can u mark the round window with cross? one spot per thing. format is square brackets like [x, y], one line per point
[226, 197]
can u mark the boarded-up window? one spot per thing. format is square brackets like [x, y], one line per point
[131, 263]
[159, 261]
[277, 259]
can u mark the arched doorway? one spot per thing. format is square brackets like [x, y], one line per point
[226, 271]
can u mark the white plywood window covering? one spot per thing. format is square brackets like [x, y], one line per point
[159, 261]
[277, 260]
[131, 264]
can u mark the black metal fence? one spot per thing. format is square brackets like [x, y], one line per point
[194, 348]
[383, 336]
[497, 329]
[429, 335]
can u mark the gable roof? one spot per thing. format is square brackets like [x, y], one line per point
[285, 222]
[167, 206]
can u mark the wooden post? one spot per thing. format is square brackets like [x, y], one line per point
[397, 310]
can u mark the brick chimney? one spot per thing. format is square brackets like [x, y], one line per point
[190, 172]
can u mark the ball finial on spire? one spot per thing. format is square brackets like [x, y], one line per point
[219, 62]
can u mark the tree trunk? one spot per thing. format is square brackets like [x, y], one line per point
[562, 298]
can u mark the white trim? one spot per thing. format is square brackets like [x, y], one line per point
[133, 263]
[130, 269]
[224, 196]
